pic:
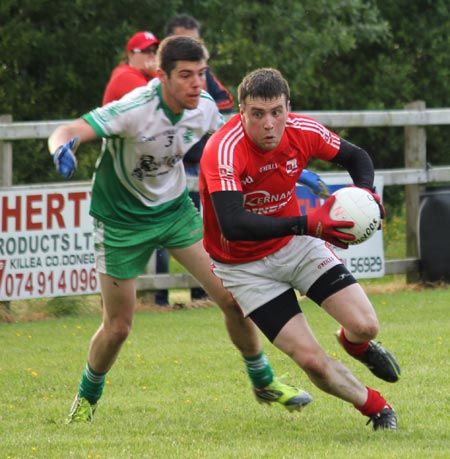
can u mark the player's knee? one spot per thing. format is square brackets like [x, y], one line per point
[228, 306]
[371, 330]
[313, 363]
[309, 359]
[366, 330]
[118, 331]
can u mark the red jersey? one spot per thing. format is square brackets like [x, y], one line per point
[232, 162]
[124, 79]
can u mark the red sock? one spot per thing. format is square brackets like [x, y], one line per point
[374, 403]
[356, 349]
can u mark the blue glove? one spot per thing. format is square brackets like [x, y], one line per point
[314, 183]
[64, 157]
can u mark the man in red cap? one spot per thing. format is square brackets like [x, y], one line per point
[137, 68]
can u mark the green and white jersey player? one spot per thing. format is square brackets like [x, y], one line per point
[140, 202]
[140, 175]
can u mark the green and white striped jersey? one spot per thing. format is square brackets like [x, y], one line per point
[139, 175]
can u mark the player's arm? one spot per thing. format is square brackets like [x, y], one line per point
[77, 128]
[219, 93]
[357, 162]
[194, 153]
[360, 167]
[236, 223]
[64, 141]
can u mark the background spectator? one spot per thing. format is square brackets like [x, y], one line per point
[137, 69]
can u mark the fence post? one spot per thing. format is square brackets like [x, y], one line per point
[6, 158]
[415, 157]
[6, 172]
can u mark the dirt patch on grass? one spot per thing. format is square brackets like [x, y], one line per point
[50, 308]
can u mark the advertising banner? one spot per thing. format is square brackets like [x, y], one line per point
[46, 242]
[46, 246]
[365, 260]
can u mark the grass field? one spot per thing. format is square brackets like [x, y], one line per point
[179, 389]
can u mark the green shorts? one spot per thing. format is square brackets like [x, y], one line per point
[124, 253]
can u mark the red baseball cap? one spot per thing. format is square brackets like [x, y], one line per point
[141, 41]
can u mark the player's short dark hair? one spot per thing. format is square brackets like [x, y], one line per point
[179, 48]
[265, 83]
[181, 20]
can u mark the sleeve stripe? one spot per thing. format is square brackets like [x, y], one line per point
[225, 155]
[314, 126]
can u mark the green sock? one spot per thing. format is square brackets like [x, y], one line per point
[259, 370]
[91, 385]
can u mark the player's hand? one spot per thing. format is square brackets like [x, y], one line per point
[380, 205]
[314, 183]
[321, 225]
[64, 157]
[378, 201]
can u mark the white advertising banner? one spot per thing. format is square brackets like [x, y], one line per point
[46, 246]
[365, 260]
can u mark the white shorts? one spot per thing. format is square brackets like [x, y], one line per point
[297, 265]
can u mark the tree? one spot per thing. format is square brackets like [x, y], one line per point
[346, 55]
[56, 61]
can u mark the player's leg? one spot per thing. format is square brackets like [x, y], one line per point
[197, 293]
[297, 341]
[118, 305]
[331, 376]
[347, 303]
[358, 317]
[285, 325]
[242, 332]
[117, 268]
[192, 169]
[118, 309]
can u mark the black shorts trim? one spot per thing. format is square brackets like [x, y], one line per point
[335, 279]
[271, 317]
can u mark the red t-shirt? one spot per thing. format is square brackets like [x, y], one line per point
[124, 79]
[232, 162]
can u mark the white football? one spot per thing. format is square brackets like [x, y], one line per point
[360, 207]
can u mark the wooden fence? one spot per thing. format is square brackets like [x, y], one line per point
[414, 119]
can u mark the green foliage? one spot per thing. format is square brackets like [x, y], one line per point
[296, 37]
[394, 233]
[64, 306]
[57, 56]
[33, 164]
[412, 63]
[337, 55]
[179, 390]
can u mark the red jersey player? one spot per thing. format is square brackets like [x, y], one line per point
[262, 248]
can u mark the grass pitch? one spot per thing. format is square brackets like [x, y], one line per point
[179, 390]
